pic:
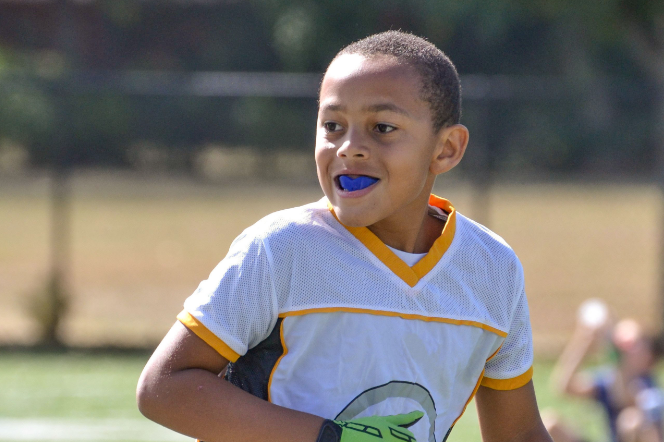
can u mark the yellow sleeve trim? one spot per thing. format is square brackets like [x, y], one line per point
[509, 384]
[205, 334]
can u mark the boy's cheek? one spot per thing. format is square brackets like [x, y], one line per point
[323, 177]
[324, 144]
[324, 154]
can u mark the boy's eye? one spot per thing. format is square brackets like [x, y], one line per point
[384, 128]
[331, 126]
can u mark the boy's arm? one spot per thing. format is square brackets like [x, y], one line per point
[510, 415]
[180, 389]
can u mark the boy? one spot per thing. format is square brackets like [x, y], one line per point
[341, 316]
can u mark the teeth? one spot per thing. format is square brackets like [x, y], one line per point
[352, 184]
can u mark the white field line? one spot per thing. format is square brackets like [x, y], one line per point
[50, 429]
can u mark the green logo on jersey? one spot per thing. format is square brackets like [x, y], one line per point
[393, 389]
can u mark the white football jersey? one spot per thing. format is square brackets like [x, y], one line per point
[323, 318]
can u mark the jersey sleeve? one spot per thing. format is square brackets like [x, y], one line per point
[235, 308]
[511, 366]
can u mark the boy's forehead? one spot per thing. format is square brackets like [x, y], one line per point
[345, 64]
[378, 76]
[357, 65]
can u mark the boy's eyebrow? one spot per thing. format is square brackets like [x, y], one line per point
[387, 107]
[380, 107]
[333, 107]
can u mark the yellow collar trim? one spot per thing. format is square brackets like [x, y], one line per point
[410, 275]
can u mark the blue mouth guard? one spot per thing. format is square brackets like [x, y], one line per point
[352, 184]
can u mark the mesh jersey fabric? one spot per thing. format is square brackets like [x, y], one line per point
[355, 333]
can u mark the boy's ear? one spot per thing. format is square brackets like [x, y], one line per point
[452, 143]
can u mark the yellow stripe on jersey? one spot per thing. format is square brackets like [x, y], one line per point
[395, 314]
[509, 384]
[477, 386]
[410, 275]
[495, 352]
[472, 395]
[205, 334]
[276, 364]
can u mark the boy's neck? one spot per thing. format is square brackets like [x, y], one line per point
[414, 234]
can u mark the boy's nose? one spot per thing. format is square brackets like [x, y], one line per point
[353, 146]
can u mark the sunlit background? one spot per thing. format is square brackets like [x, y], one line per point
[138, 138]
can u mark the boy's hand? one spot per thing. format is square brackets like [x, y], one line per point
[370, 429]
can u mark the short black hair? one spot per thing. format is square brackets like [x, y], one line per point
[440, 81]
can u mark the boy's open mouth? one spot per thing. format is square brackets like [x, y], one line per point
[351, 183]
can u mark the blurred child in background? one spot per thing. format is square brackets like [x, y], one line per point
[625, 388]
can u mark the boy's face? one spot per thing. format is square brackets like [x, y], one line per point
[372, 123]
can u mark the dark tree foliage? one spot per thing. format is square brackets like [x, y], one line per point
[600, 65]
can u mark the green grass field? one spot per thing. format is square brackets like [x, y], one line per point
[77, 397]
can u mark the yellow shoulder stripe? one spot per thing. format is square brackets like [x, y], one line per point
[205, 334]
[395, 314]
[509, 384]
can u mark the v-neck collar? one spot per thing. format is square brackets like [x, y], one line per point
[410, 275]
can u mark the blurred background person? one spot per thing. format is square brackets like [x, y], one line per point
[625, 387]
